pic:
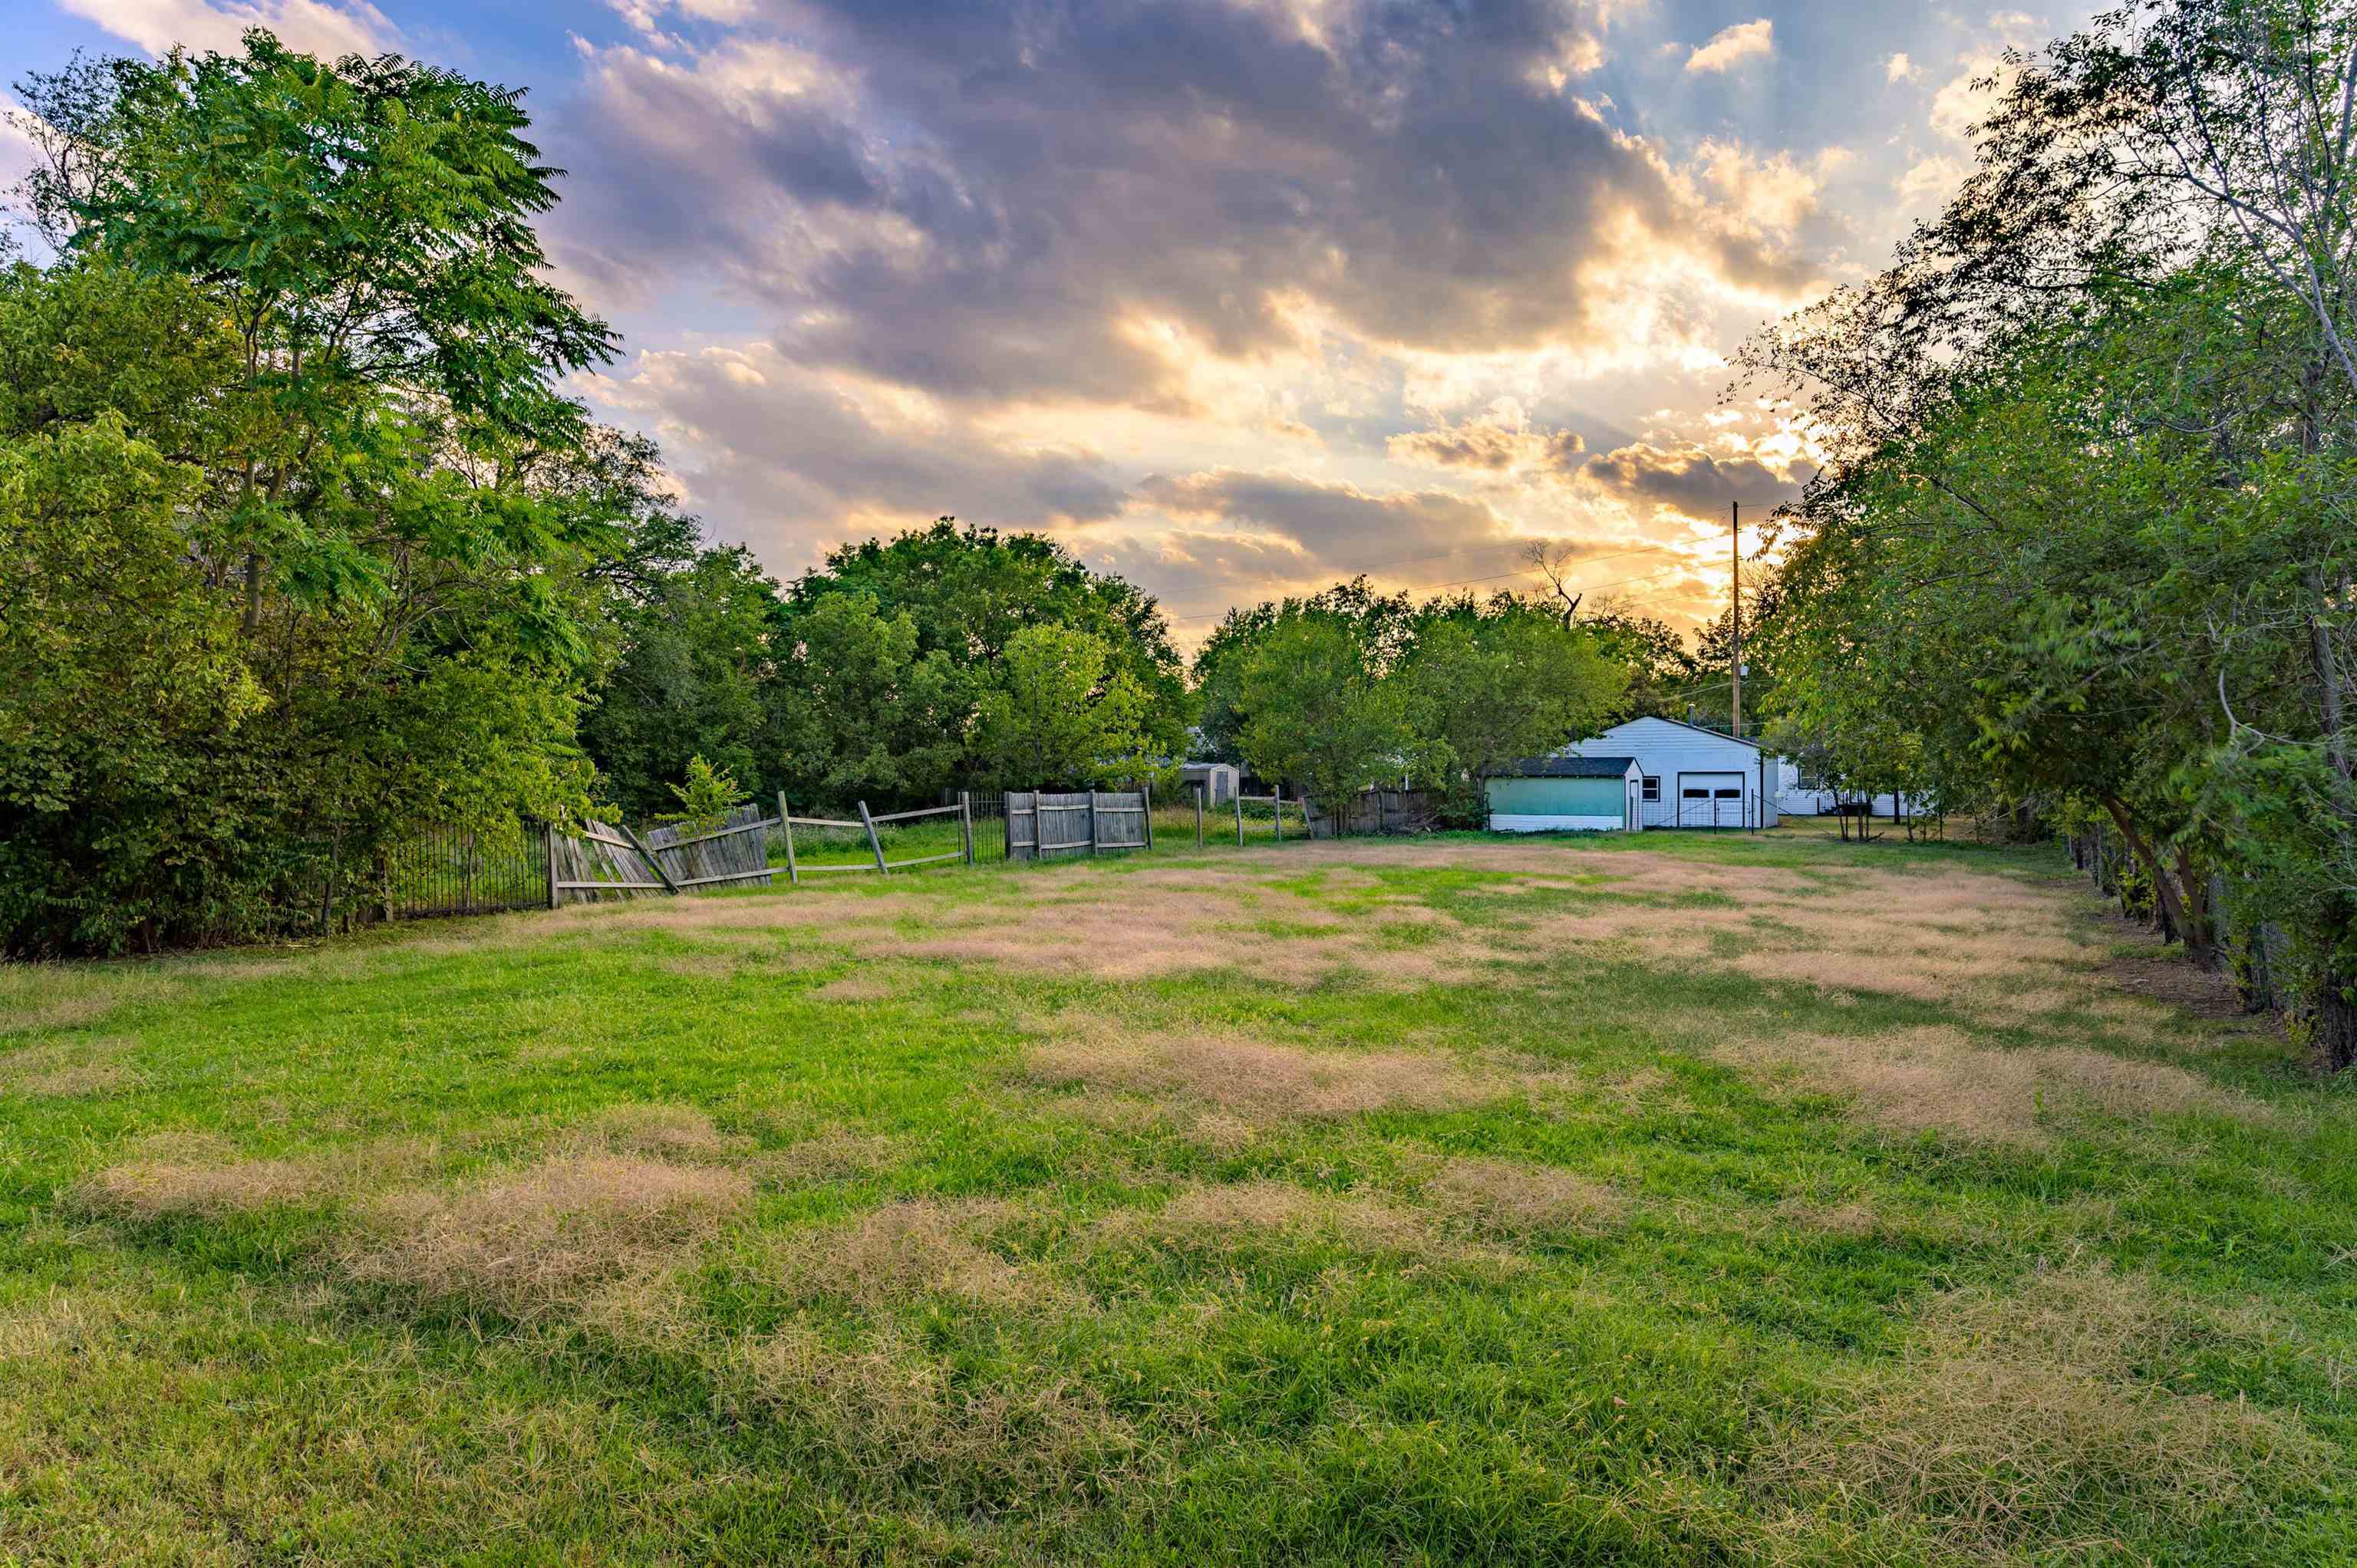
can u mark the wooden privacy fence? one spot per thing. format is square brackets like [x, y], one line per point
[600, 859]
[1041, 823]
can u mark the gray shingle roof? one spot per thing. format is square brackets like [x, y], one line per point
[1566, 768]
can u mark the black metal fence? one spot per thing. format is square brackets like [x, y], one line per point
[424, 873]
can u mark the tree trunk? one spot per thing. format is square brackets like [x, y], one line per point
[2168, 900]
[2333, 1025]
[2201, 927]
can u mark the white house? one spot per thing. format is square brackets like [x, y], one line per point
[1688, 777]
[1797, 796]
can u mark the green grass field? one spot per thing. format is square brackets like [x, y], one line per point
[1678, 1199]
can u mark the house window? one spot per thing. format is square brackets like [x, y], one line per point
[1654, 791]
[1695, 794]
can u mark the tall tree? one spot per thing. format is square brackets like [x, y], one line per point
[311, 293]
[1498, 682]
[689, 682]
[967, 591]
[1063, 713]
[858, 711]
[1324, 715]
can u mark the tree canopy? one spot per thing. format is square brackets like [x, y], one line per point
[288, 461]
[2086, 539]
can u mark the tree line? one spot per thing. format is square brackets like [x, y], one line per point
[303, 547]
[2084, 544]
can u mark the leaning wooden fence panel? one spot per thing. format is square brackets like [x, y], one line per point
[585, 866]
[738, 852]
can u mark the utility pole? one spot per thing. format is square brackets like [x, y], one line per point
[1735, 541]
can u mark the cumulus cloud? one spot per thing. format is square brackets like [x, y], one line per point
[316, 26]
[1899, 68]
[1327, 521]
[1501, 441]
[1968, 97]
[789, 458]
[1930, 180]
[1691, 481]
[1165, 279]
[1730, 46]
[981, 204]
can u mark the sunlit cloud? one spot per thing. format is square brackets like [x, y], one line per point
[1730, 46]
[314, 26]
[1237, 296]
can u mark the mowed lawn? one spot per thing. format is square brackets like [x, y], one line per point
[1675, 1200]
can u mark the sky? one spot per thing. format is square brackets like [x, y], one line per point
[1235, 298]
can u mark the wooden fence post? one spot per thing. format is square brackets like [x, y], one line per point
[1006, 822]
[1276, 809]
[873, 841]
[548, 846]
[1146, 789]
[1239, 816]
[965, 822]
[1092, 824]
[786, 821]
[1200, 791]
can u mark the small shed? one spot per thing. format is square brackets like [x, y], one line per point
[1220, 782]
[1565, 794]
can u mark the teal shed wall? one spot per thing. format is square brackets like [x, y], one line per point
[1559, 797]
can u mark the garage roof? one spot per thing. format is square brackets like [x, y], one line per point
[1567, 768]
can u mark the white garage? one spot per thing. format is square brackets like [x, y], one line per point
[1689, 777]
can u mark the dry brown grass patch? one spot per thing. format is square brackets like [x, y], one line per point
[75, 1081]
[891, 1413]
[1855, 1221]
[184, 1176]
[178, 1175]
[832, 1155]
[856, 988]
[59, 1323]
[53, 997]
[547, 1237]
[2041, 1421]
[905, 1251]
[1263, 1081]
[678, 1132]
[68, 1071]
[1508, 1199]
[1099, 926]
[1936, 1079]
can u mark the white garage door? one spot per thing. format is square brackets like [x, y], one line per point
[1710, 799]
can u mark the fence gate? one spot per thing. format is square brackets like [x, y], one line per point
[1041, 823]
